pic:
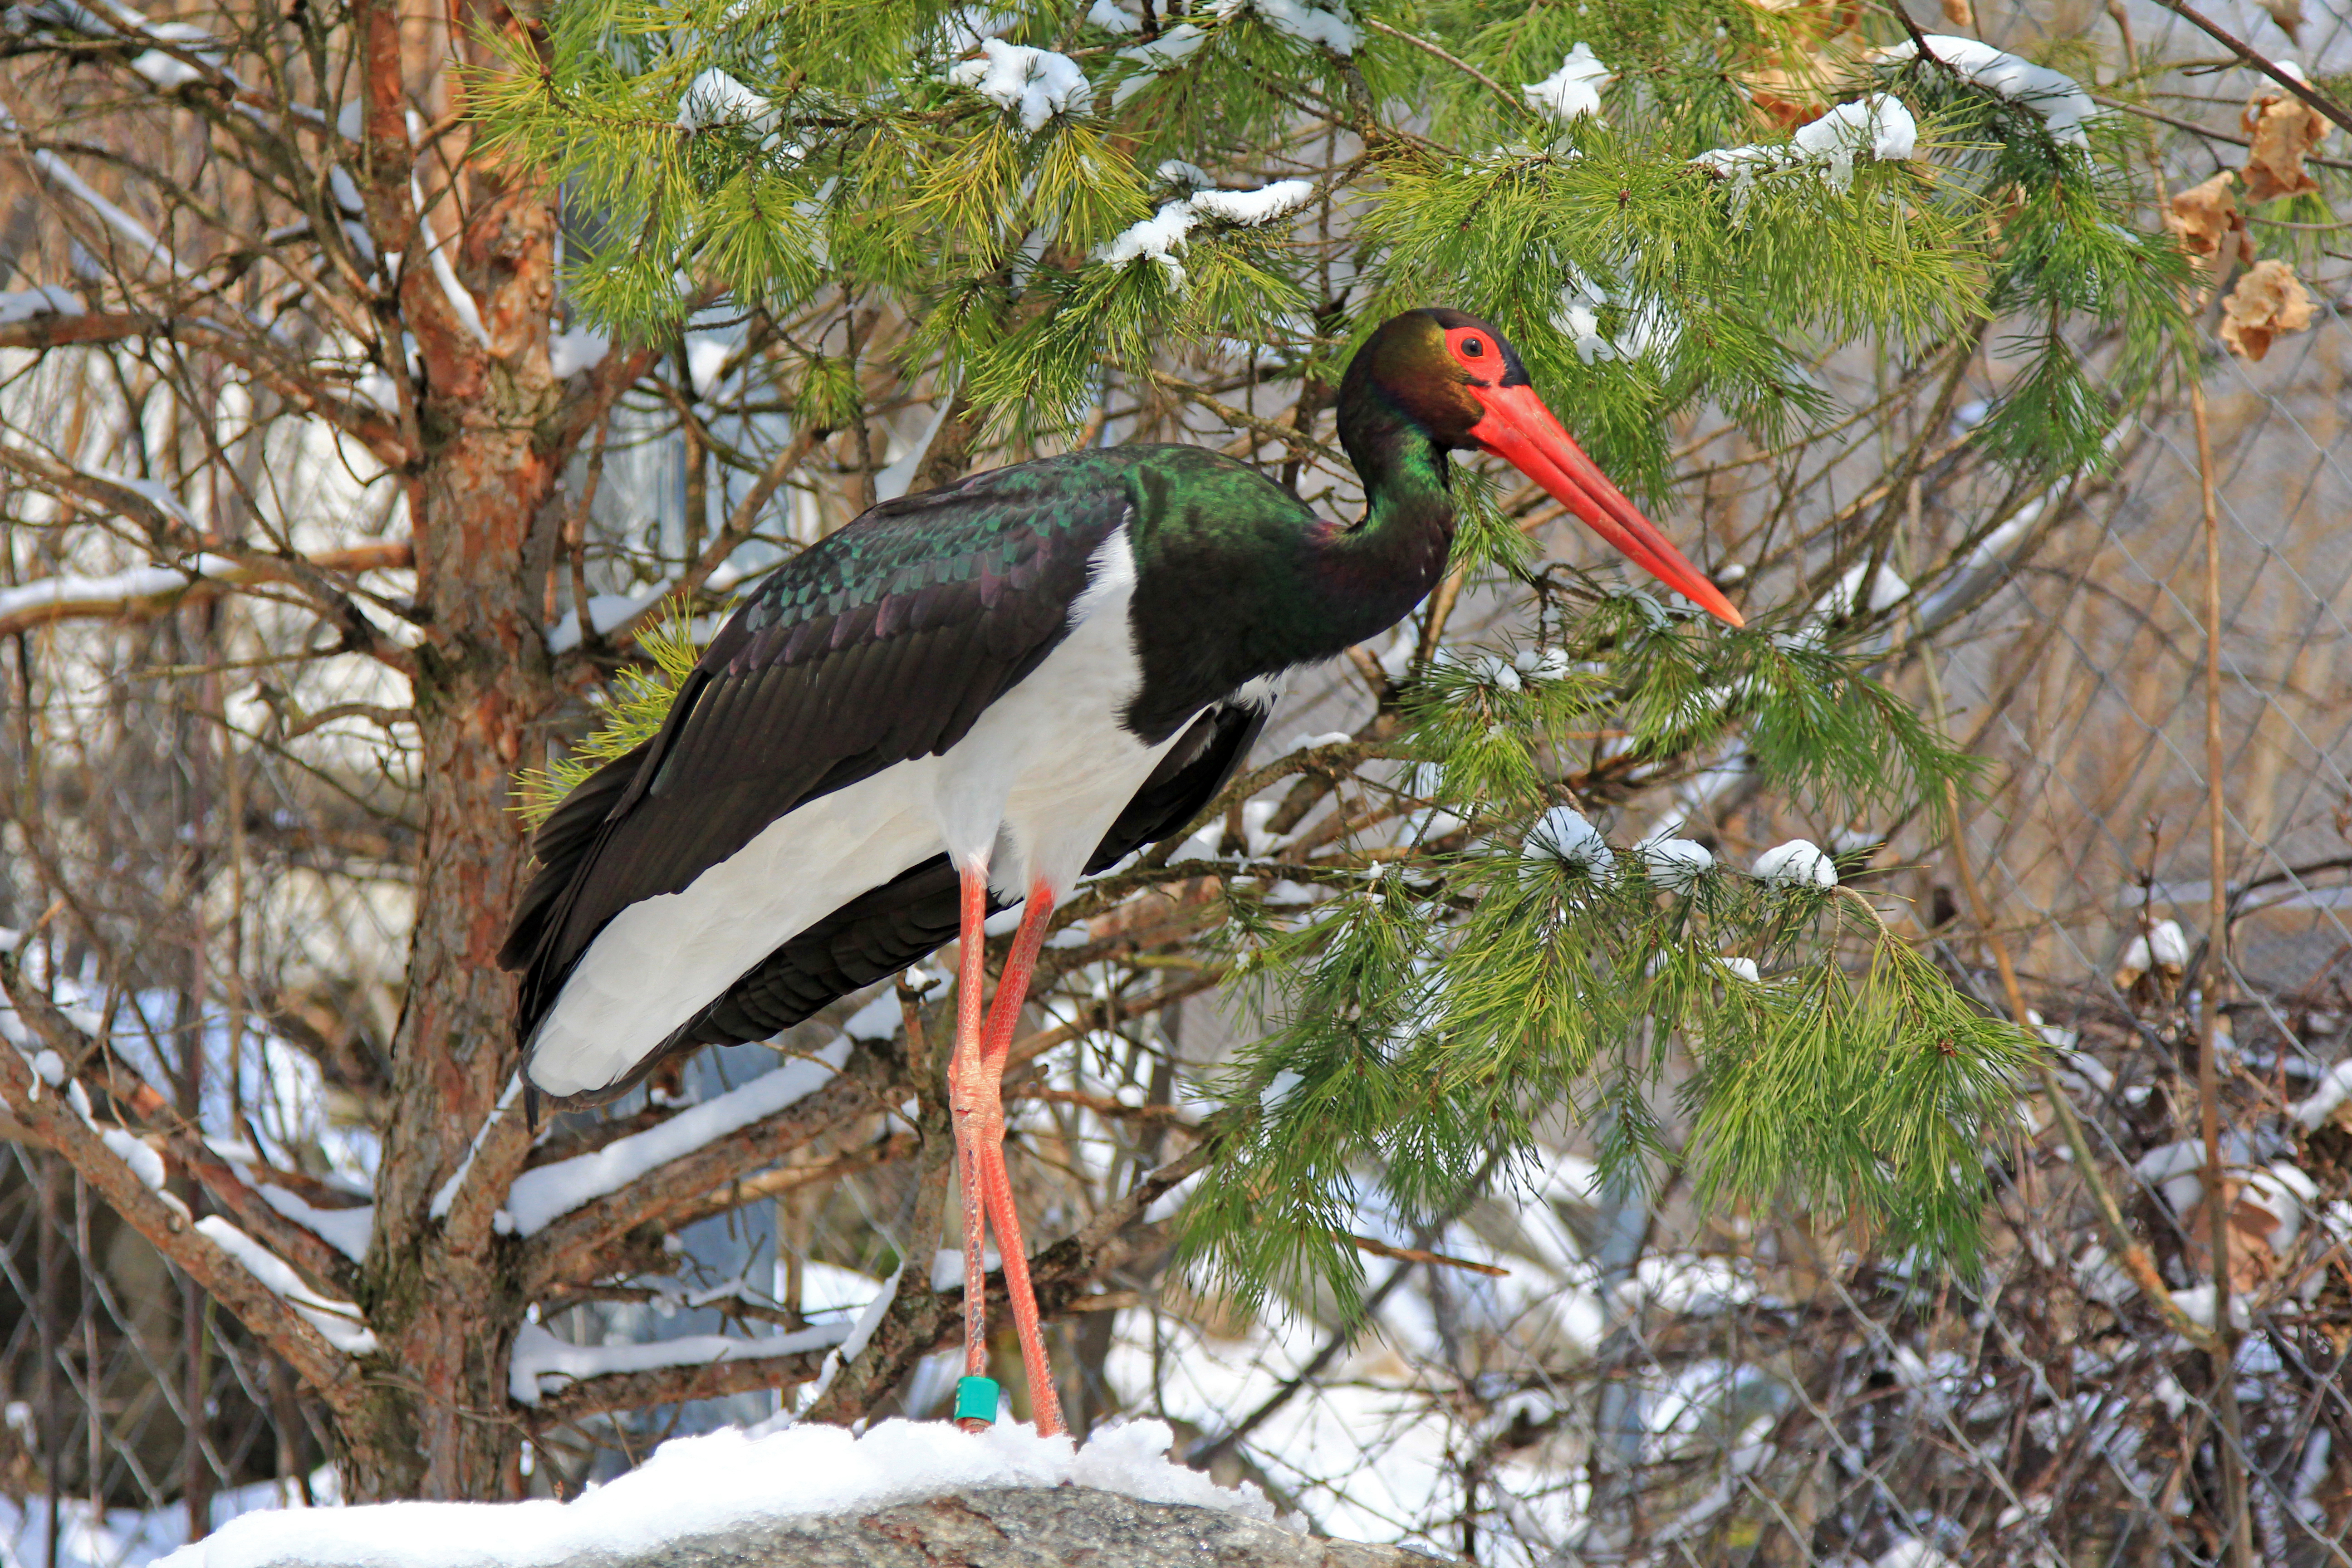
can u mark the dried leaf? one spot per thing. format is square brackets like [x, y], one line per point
[2284, 129]
[2288, 14]
[2268, 300]
[2210, 227]
[1959, 14]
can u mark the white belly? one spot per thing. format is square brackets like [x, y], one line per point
[1029, 793]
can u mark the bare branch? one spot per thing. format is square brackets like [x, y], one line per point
[157, 1216]
[280, 373]
[129, 596]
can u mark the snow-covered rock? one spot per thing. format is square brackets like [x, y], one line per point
[906, 1492]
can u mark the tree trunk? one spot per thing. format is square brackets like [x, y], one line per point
[440, 1288]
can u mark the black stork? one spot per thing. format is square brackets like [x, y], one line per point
[972, 698]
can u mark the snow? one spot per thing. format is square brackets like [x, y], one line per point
[446, 1198]
[1171, 48]
[1879, 123]
[1034, 84]
[860, 1334]
[2162, 945]
[2056, 98]
[137, 582]
[1745, 968]
[1796, 863]
[338, 1322]
[716, 99]
[1564, 834]
[2333, 1091]
[569, 354]
[543, 1363]
[1167, 231]
[726, 1479]
[1251, 209]
[146, 1163]
[1878, 127]
[1332, 29]
[46, 299]
[1111, 18]
[1675, 864]
[1887, 589]
[542, 1196]
[1574, 89]
[346, 1230]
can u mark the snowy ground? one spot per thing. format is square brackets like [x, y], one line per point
[724, 1479]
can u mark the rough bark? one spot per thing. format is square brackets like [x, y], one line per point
[443, 1290]
[1012, 1527]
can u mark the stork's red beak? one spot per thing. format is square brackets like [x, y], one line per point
[1519, 430]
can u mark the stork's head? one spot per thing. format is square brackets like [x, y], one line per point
[1461, 382]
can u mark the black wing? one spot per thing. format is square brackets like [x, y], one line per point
[883, 643]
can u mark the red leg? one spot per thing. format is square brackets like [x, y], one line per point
[996, 1183]
[966, 1103]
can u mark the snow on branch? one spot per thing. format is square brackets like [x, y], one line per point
[141, 592]
[542, 1364]
[338, 1322]
[1168, 230]
[541, 1197]
[2056, 98]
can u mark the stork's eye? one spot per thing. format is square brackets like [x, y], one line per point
[1472, 348]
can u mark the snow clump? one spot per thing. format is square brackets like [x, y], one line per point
[716, 99]
[1673, 864]
[1743, 967]
[1798, 863]
[1574, 89]
[1035, 84]
[1330, 26]
[1878, 127]
[1167, 231]
[1565, 835]
[2163, 947]
[2057, 98]
[1112, 18]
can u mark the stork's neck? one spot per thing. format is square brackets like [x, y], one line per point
[1388, 561]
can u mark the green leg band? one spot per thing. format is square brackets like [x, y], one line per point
[976, 1399]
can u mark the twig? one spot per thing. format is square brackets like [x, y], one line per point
[2224, 1349]
[2268, 68]
[2196, 130]
[1417, 1255]
[1464, 67]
